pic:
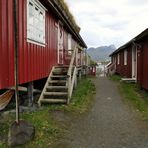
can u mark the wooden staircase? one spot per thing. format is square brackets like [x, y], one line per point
[56, 87]
[60, 83]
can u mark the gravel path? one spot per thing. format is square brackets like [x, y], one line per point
[109, 124]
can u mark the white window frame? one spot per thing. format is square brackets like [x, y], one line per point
[69, 44]
[125, 57]
[118, 58]
[36, 26]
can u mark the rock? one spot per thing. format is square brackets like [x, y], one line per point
[20, 133]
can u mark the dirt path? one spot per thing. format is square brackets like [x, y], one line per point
[109, 124]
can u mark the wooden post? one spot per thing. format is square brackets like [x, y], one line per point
[80, 74]
[75, 83]
[76, 56]
[16, 58]
[81, 58]
[30, 94]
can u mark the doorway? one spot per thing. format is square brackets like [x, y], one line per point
[134, 62]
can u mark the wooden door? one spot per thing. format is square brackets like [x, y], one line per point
[134, 62]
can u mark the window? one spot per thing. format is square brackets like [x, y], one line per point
[125, 57]
[35, 22]
[69, 44]
[118, 59]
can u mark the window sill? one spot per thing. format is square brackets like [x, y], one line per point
[36, 42]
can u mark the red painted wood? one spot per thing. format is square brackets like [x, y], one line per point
[125, 70]
[6, 43]
[35, 62]
[0, 44]
[143, 72]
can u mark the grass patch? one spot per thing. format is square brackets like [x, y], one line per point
[82, 96]
[134, 95]
[45, 127]
[47, 130]
[115, 78]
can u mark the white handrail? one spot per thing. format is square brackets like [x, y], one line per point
[73, 81]
[71, 76]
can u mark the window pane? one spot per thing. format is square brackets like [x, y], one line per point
[35, 22]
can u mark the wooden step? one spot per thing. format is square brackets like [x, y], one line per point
[54, 100]
[55, 93]
[55, 90]
[62, 66]
[57, 81]
[60, 71]
[59, 76]
[57, 87]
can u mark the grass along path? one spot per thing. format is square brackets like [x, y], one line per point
[133, 95]
[46, 128]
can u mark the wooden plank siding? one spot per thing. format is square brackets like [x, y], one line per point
[140, 45]
[142, 66]
[123, 70]
[35, 61]
[6, 44]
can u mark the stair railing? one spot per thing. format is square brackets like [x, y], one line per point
[72, 74]
[111, 68]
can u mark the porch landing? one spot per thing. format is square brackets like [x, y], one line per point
[130, 80]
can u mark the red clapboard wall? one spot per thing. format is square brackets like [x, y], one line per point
[35, 61]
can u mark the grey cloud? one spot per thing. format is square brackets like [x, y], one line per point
[112, 23]
[117, 25]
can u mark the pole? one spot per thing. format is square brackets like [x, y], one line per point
[16, 58]
[86, 66]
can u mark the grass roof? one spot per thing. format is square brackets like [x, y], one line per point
[65, 10]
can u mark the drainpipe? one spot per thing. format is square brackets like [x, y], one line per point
[16, 58]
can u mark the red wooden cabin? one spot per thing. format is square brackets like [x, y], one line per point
[142, 59]
[37, 55]
[121, 61]
[131, 59]
[47, 36]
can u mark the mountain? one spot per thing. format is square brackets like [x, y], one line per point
[101, 53]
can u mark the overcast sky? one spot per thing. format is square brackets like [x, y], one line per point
[105, 22]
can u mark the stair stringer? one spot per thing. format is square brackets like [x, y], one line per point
[46, 84]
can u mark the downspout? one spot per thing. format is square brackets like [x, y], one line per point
[16, 58]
